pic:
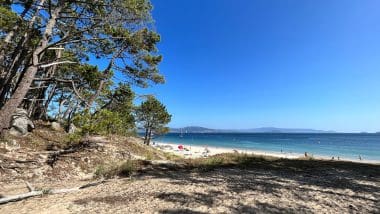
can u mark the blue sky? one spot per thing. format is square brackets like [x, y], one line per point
[283, 63]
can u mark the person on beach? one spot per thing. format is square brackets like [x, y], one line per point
[360, 157]
[305, 154]
[205, 152]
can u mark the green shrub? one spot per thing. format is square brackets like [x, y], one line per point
[104, 122]
[74, 137]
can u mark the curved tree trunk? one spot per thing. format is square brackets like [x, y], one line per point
[10, 106]
[19, 53]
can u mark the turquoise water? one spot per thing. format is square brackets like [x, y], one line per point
[346, 146]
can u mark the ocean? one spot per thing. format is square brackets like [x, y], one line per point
[345, 146]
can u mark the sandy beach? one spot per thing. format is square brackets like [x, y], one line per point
[195, 151]
[256, 185]
[191, 151]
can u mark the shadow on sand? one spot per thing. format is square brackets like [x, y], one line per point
[293, 186]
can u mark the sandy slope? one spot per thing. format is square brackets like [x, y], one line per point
[228, 190]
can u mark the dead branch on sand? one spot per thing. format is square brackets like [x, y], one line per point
[33, 192]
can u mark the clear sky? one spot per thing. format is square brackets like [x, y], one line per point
[282, 63]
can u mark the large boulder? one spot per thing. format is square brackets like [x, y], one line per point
[21, 123]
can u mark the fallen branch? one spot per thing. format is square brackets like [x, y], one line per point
[32, 192]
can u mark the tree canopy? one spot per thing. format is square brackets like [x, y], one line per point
[153, 116]
[49, 52]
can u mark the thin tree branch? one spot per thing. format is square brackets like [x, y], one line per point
[57, 63]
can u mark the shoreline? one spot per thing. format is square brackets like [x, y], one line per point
[197, 151]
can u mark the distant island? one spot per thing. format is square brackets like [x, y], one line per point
[198, 129]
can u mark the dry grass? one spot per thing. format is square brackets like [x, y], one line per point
[124, 169]
[101, 153]
[245, 161]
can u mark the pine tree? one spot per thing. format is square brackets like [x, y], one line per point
[153, 117]
[118, 32]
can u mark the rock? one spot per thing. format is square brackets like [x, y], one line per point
[72, 128]
[20, 123]
[56, 126]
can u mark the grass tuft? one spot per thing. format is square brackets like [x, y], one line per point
[124, 169]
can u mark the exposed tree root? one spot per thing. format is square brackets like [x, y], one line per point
[54, 155]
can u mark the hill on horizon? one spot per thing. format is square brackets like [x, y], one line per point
[199, 129]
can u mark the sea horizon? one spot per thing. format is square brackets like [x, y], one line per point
[269, 129]
[346, 146]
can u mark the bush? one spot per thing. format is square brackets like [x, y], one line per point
[104, 122]
[74, 137]
[124, 169]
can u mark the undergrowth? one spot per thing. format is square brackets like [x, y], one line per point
[124, 169]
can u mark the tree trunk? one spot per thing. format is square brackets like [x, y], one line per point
[9, 37]
[106, 72]
[97, 93]
[146, 136]
[10, 81]
[16, 99]
[43, 106]
[60, 108]
[10, 106]
[20, 51]
[70, 117]
[42, 88]
[68, 109]
[43, 113]
[149, 137]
